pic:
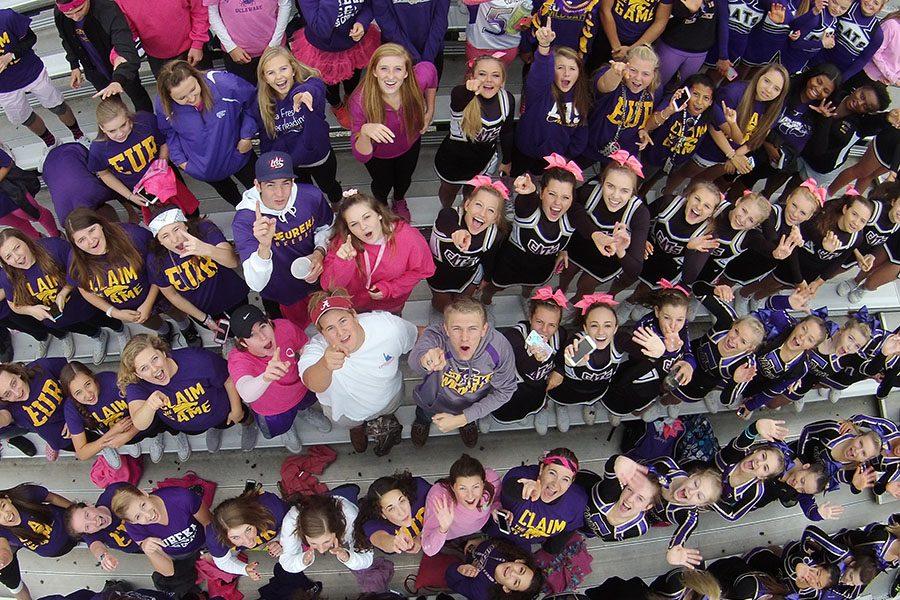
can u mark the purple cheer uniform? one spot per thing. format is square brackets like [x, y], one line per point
[731, 95]
[183, 535]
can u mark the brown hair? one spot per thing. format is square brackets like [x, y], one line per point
[614, 167]
[42, 258]
[581, 90]
[21, 500]
[265, 95]
[661, 297]
[172, 74]
[773, 107]
[86, 267]
[109, 109]
[342, 230]
[466, 466]
[827, 219]
[412, 102]
[135, 346]
[66, 376]
[320, 515]
[123, 496]
[370, 504]
[471, 124]
[21, 371]
[245, 509]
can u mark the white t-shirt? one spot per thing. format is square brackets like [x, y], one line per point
[370, 377]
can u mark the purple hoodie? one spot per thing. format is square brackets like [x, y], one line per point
[328, 22]
[302, 134]
[417, 25]
[476, 387]
[207, 140]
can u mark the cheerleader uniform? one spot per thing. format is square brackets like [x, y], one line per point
[459, 159]
[880, 232]
[675, 141]
[889, 367]
[684, 518]
[814, 260]
[670, 585]
[455, 269]
[588, 383]
[531, 374]
[828, 370]
[669, 234]
[873, 539]
[816, 443]
[886, 146]
[639, 381]
[752, 266]
[736, 502]
[708, 153]
[614, 121]
[766, 41]
[584, 254]
[797, 54]
[737, 580]
[325, 44]
[743, 17]
[528, 256]
[603, 492]
[714, 370]
[858, 38]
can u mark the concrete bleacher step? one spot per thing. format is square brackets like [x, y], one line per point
[642, 557]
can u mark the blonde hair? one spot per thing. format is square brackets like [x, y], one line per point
[702, 583]
[412, 102]
[126, 493]
[647, 53]
[755, 326]
[760, 202]
[471, 124]
[109, 109]
[265, 94]
[127, 375]
[809, 195]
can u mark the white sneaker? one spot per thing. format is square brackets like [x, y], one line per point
[856, 295]
[712, 403]
[123, 337]
[157, 444]
[132, 450]
[249, 435]
[316, 419]
[291, 441]
[69, 346]
[184, 446]
[741, 304]
[484, 424]
[753, 305]
[651, 414]
[44, 152]
[83, 141]
[563, 422]
[542, 421]
[111, 457]
[615, 420]
[845, 287]
[98, 347]
[673, 410]
[798, 405]
[588, 414]
[834, 396]
[43, 346]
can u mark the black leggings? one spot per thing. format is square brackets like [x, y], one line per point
[246, 71]
[11, 575]
[25, 324]
[393, 173]
[333, 92]
[227, 188]
[183, 581]
[89, 328]
[325, 176]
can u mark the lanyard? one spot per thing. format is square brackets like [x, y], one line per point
[371, 269]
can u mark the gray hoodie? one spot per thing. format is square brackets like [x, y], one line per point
[474, 387]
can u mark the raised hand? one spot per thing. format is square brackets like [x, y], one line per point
[346, 251]
[434, 360]
[771, 430]
[263, 228]
[618, 67]
[723, 292]
[157, 400]
[684, 557]
[468, 570]
[462, 239]
[829, 511]
[444, 513]
[276, 368]
[730, 113]
[651, 344]
[621, 237]
[194, 246]
[524, 185]
[626, 469]
[824, 108]
[252, 571]
[865, 261]
[334, 358]
[794, 36]
[831, 242]
[777, 13]
[605, 243]
[644, 139]
[744, 373]
[545, 34]
[473, 85]
[864, 477]
[828, 40]
[303, 99]
[531, 489]
[703, 243]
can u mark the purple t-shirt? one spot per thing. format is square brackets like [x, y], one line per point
[199, 279]
[183, 535]
[303, 134]
[115, 536]
[633, 18]
[57, 541]
[196, 392]
[417, 506]
[427, 79]
[44, 288]
[128, 160]
[616, 115]
[678, 137]
[70, 183]
[42, 411]
[122, 286]
[731, 95]
[110, 408]
[270, 502]
[535, 522]
[27, 66]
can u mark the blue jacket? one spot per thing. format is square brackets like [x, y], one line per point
[207, 140]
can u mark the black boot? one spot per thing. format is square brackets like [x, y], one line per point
[6, 347]
[192, 336]
[23, 445]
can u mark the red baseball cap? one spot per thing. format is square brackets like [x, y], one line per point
[67, 5]
[329, 303]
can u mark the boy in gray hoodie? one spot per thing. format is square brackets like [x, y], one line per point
[468, 371]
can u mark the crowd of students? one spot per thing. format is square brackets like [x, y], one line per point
[706, 99]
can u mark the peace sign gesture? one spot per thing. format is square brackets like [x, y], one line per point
[276, 368]
[346, 251]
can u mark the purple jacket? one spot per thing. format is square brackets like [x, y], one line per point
[207, 140]
[328, 22]
[419, 26]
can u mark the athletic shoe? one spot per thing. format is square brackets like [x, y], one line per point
[798, 405]
[834, 396]
[588, 414]
[132, 450]
[484, 424]
[388, 434]
[542, 421]
[856, 295]
[23, 445]
[291, 441]
[753, 304]
[44, 152]
[342, 114]
[673, 410]
[845, 287]
[359, 439]
[615, 420]
[111, 457]
[98, 347]
[420, 433]
[184, 447]
[43, 347]
[249, 435]
[741, 304]
[711, 402]
[213, 439]
[123, 337]
[69, 346]
[192, 336]
[157, 444]
[316, 419]
[401, 209]
[83, 141]
[563, 422]
[469, 434]
[170, 335]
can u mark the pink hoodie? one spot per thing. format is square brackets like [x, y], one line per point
[406, 261]
[465, 521]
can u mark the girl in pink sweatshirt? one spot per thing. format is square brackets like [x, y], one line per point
[460, 504]
[374, 255]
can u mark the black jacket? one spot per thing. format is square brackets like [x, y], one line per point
[106, 27]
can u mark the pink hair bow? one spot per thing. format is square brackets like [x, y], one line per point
[668, 285]
[626, 159]
[556, 161]
[485, 181]
[498, 55]
[588, 301]
[547, 294]
[813, 186]
[851, 191]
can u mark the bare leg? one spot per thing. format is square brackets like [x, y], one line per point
[688, 170]
[487, 294]
[440, 301]
[566, 277]
[24, 593]
[764, 288]
[586, 285]
[864, 167]
[882, 275]
[774, 182]
[865, 182]
[447, 193]
[792, 183]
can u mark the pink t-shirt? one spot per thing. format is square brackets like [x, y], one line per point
[465, 521]
[287, 392]
[250, 23]
[426, 77]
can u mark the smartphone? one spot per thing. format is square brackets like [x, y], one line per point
[148, 197]
[221, 336]
[731, 74]
[685, 98]
[584, 347]
[752, 162]
[503, 523]
[55, 313]
[537, 344]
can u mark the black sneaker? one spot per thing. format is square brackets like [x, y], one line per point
[469, 434]
[192, 336]
[6, 347]
[169, 336]
[23, 445]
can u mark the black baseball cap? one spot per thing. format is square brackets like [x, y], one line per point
[243, 320]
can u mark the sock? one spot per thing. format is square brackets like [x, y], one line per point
[48, 138]
[184, 324]
[76, 130]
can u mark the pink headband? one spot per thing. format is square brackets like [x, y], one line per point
[813, 186]
[556, 161]
[65, 7]
[665, 284]
[588, 301]
[547, 294]
[480, 181]
[498, 55]
[562, 461]
[626, 159]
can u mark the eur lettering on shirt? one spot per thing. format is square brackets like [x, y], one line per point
[191, 273]
[294, 234]
[42, 529]
[526, 527]
[42, 408]
[187, 404]
[636, 11]
[135, 159]
[47, 289]
[464, 383]
[118, 288]
[630, 113]
[415, 528]
[183, 538]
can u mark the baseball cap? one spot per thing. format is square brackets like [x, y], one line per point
[274, 165]
[329, 303]
[67, 5]
[244, 318]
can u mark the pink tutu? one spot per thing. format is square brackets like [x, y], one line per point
[336, 67]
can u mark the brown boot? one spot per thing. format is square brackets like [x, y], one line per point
[420, 433]
[469, 434]
[359, 438]
[386, 431]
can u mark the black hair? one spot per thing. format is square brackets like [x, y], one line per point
[800, 80]
[370, 504]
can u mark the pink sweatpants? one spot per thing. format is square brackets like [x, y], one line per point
[22, 221]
